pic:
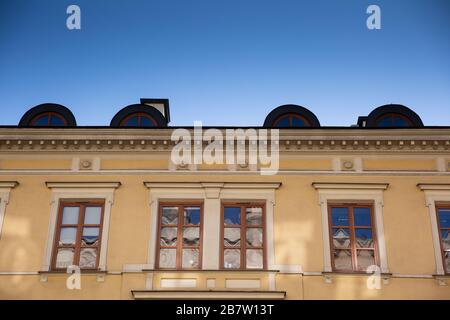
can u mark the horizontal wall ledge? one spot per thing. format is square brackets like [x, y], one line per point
[8, 184]
[434, 186]
[340, 186]
[221, 185]
[209, 270]
[207, 294]
[85, 184]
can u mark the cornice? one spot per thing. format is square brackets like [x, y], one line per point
[159, 140]
[353, 186]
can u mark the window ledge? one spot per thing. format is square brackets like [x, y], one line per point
[99, 273]
[207, 294]
[356, 273]
[211, 270]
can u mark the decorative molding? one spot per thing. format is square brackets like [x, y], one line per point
[5, 190]
[434, 186]
[214, 185]
[208, 294]
[409, 140]
[242, 283]
[178, 283]
[352, 192]
[346, 186]
[76, 184]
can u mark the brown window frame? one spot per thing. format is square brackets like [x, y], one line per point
[352, 227]
[80, 225]
[438, 207]
[179, 247]
[243, 226]
[290, 116]
[49, 114]
[139, 115]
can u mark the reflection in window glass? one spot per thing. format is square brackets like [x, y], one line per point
[340, 216]
[79, 235]
[443, 215]
[352, 242]
[243, 238]
[232, 215]
[180, 236]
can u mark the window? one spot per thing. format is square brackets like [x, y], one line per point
[291, 120]
[78, 235]
[353, 242]
[394, 120]
[180, 236]
[243, 234]
[139, 120]
[49, 119]
[443, 218]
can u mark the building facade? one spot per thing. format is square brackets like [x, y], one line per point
[357, 212]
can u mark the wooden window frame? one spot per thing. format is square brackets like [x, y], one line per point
[352, 227]
[290, 116]
[139, 115]
[179, 247]
[392, 114]
[80, 225]
[243, 226]
[440, 206]
[49, 115]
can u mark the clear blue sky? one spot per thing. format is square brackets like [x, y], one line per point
[226, 62]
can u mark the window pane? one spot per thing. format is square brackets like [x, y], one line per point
[167, 258]
[232, 237]
[364, 238]
[341, 238]
[297, 122]
[365, 259]
[169, 236]
[254, 259]
[445, 236]
[444, 218]
[131, 122]
[56, 121]
[399, 121]
[232, 258]
[362, 217]
[41, 121]
[255, 237]
[146, 122]
[90, 236]
[92, 215]
[64, 257]
[253, 216]
[88, 258]
[169, 215]
[70, 215]
[192, 215]
[340, 216]
[68, 236]
[232, 215]
[190, 258]
[284, 122]
[385, 122]
[447, 261]
[191, 236]
[343, 259]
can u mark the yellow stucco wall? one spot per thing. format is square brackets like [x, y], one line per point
[297, 234]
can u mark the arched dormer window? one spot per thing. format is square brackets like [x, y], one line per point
[393, 116]
[393, 120]
[138, 119]
[139, 115]
[291, 116]
[48, 115]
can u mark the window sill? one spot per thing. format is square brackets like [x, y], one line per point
[330, 275]
[99, 273]
[211, 270]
